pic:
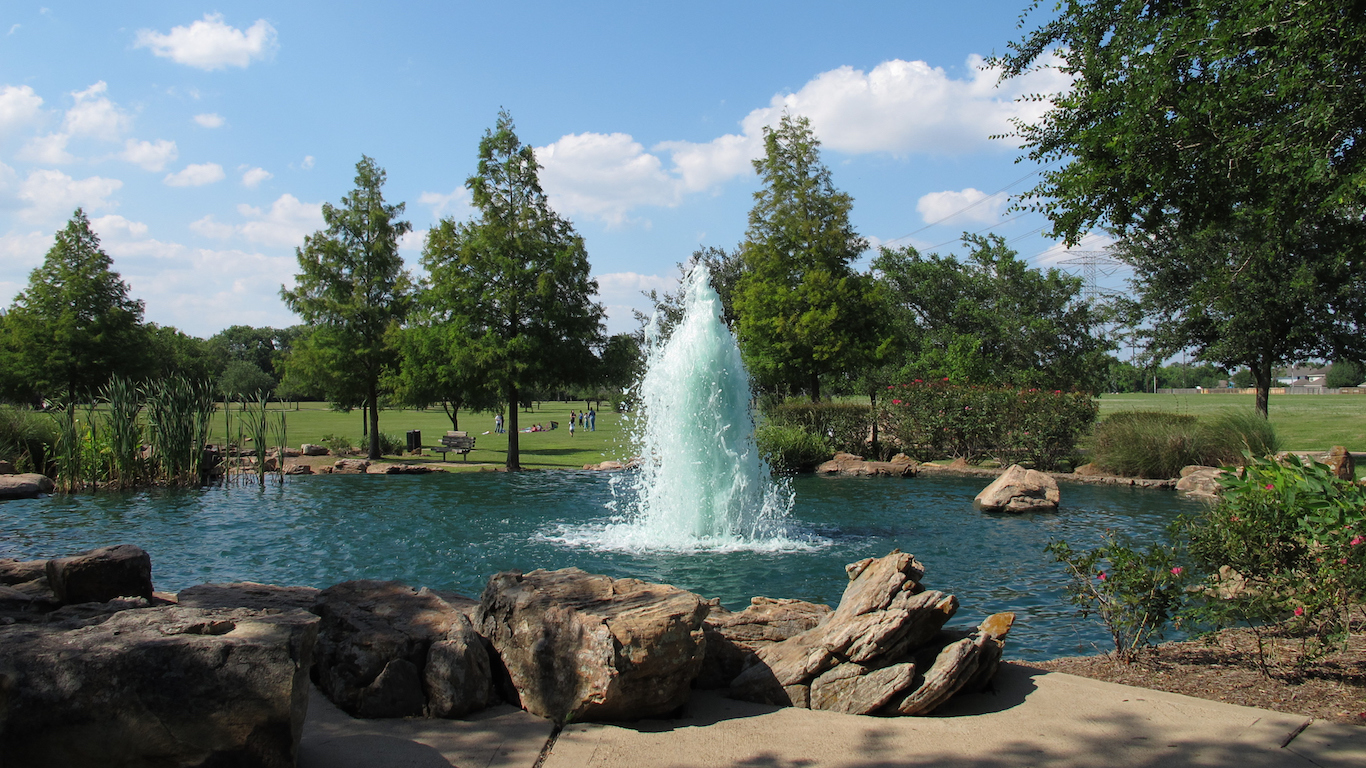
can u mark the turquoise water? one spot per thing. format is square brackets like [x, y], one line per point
[453, 531]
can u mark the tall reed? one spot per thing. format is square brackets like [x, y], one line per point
[255, 421]
[178, 415]
[67, 453]
[124, 429]
[27, 438]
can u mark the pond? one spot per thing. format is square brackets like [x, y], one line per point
[453, 531]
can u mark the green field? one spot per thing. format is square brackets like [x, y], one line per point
[1303, 422]
[556, 448]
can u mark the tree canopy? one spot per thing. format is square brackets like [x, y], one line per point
[514, 281]
[991, 319]
[74, 326]
[802, 309]
[351, 286]
[1222, 142]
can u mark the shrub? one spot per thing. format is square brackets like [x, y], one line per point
[26, 438]
[1135, 592]
[339, 445]
[791, 449]
[1285, 542]
[843, 426]
[1227, 437]
[1146, 443]
[391, 445]
[932, 420]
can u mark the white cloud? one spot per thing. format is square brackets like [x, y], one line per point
[209, 227]
[47, 150]
[969, 205]
[1091, 241]
[604, 176]
[621, 293]
[456, 204]
[21, 252]
[152, 157]
[285, 224]
[211, 44]
[254, 176]
[111, 226]
[19, 106]
[899, 108]
[195, 175]
[307, 162]
[94, 115]
[210, 120]
[50, 194]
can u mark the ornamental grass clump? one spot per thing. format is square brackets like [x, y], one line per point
[26, 438]
[842, 426]
[1146, 443]
[791, 449]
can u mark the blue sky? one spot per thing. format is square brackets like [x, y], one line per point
[202, 141]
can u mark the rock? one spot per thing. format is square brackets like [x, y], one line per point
[247, 594]
[883, 617]
[411, 469]
[101, 575]
[1200, 482]
[1089, 470]
[903, 459]
[167, 686]
[298, 469]
[610, 464]
[324, 470]
[579, 646]
[1019, 490]
[952, 669]
[857, 690]
[20, 571]
[351, 467]
[26, 486]
[849, 464]
[1340, 461]
[732, 638]
[7, 468]
[457, 677]
[309, 449]
[959, 463]
[368, 628]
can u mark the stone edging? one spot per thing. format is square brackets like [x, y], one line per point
[1137, 482]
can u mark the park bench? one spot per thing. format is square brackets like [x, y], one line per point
[457, 442]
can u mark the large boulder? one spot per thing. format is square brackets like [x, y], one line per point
[1340, 461]
[1019, 490]
[375, 650]
[733, 637]
[29, 485]
[167, 686]
[19, 571]
[6, 468]
[309, 449]
[247, 594]
[1200, 482]
[101, 575]
[351, 467]
[849, 464]
[866, 656]
[579, 646]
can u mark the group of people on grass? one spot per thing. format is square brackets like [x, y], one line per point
[585, 419]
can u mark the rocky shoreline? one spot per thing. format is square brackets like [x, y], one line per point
[101, 670]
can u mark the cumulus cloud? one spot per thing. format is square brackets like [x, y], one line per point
[115, 226]
[898, 108]
[456, 204]
[1091, 241]
[211, 227]
[968, 205]
[623, 292]
[286, 223]
[210, 120]
[195, 175]
[50, 194]
[211, 44]
[604, 176]
[152, 157]
[47, 150]
[307, 162]
[252, 177]
[21, 252]
[19, 106]
[94, 115]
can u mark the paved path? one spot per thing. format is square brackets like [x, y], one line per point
[1034, 718]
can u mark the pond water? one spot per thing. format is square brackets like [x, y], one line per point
[453, 531]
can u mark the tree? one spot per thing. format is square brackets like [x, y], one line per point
[1222, 142]
[802, 310]
[75, 326]
[352, 284]
[990, 319]
[243, 380]
[515, 279]
[1344, 373]
[171, 352]
[437, 365]
[725, 268]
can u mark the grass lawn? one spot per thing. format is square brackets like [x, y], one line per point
[538, 449]
[1303, 422]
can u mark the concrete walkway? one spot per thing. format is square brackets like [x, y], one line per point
[1033, 718]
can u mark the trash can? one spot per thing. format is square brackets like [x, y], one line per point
[414, 440]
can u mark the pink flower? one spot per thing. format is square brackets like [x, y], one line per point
[1358, 540]
[1299, 611]
[1177, 570]
[1270, 487]
[946, 378]
[918, 381]
[890, 386]
[1057, 391]
[896, 402]
[1343, 561]
[1101, 576]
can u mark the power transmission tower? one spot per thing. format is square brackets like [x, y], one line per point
[1095, 265]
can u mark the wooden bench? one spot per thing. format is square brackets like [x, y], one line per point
[457, 442]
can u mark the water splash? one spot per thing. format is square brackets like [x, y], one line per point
[701, 483]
